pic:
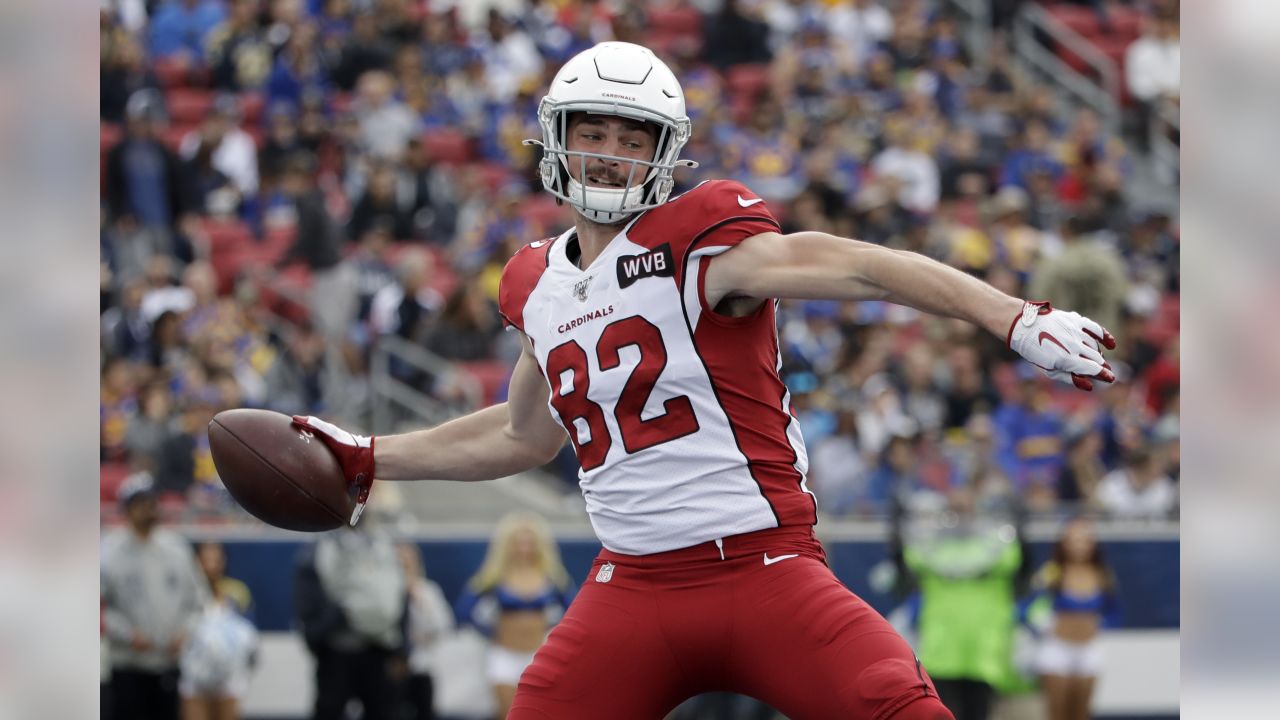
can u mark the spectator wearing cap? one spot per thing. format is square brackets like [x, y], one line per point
[1015, 243]
[144, 186]
[179, 27]
[152, 595]
[1087, 276]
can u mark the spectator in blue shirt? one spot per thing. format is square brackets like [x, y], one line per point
[1029, 434]
[179, 27]
[1034, 156]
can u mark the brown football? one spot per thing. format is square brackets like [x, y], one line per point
[281, 474]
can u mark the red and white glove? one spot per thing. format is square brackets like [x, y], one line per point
[1064, 345]
[354, 454]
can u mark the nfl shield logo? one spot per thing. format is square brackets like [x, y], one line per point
[605, 574]
[580, 289]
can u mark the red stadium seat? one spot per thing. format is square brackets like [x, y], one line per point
[675, 31]
[188, 105]
[492, 375]
[543, 213]
[1124, 22]
[494, 176]
[340, 102]
[251, 107]
[110, 476]
[226, 235]
[448, 146]
[172, 71]
[747, 80]
[108, 135]
[678, 21]
[277, 241]
[1115, 48]
[1080, 19]
[258, 135]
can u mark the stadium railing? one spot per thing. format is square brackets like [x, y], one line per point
[390, 392]
[1164, 122]
[1041, 63]
[977, 31]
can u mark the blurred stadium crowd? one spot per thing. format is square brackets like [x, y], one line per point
[287, 182]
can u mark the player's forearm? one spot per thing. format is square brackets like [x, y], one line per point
[478, 446]
[912, 279]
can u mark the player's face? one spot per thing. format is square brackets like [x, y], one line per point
[609, 135]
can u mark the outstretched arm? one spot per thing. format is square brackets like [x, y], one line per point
[497, 441]
[818, 266]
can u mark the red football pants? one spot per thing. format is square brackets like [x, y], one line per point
[647, 632]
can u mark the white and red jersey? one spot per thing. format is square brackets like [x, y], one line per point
[680, 421]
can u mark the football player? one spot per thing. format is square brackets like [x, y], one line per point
[650, 340]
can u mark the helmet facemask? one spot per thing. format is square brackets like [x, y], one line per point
[601, 204]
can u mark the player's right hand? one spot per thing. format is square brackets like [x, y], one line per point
[354, 454]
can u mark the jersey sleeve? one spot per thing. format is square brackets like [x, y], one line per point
[519, 278]
[729, 213]
[710, 219]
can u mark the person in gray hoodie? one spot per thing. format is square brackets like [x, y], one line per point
[152, 595]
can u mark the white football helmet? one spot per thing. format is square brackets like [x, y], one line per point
[613, 78]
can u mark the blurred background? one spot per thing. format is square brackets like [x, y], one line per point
[306, 206]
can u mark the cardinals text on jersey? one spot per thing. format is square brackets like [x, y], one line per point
[681, 424]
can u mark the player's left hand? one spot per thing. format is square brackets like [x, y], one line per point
[1064, 345]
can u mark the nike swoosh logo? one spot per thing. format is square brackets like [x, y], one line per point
[749, 203]
[1046, 336]
[769, 561]
[538, 243]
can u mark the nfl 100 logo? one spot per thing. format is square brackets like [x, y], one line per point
[580, 289]
[605, 574]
